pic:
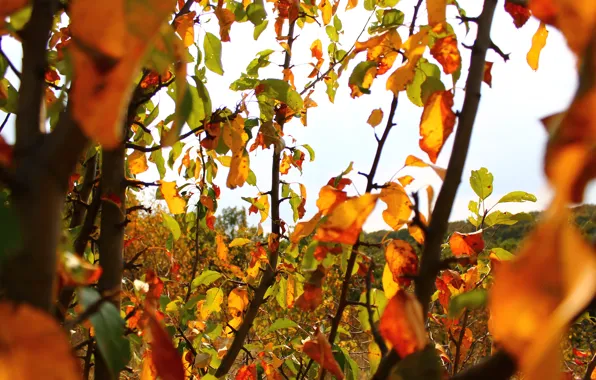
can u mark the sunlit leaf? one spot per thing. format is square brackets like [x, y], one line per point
[481, 181]
[399, 206]
[319, 350]
[375, 118]
[466, 244]
[402, 324]
[75, 270]
[538, 42]
[518, 12]
[414, 48]
[212, 47]
[402, 261]
[176, 204]
[344, 223]
[436, 11]
[471, 300]
[436, 124]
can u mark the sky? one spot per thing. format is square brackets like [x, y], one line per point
[508, 138]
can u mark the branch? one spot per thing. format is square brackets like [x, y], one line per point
[373, 328]
[10, 64]
[431, 257]
[500, 366]
[92, 309]
[460, 339]
[141, 148]
[590, 369]
[269, 274]
[5, 121]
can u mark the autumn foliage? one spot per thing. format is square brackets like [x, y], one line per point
[117, 258]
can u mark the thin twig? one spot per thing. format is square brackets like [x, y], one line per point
[5, 121]
[373, 328]
[10, 64]
[460, 339]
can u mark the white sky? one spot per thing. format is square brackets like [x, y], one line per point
[508, 138]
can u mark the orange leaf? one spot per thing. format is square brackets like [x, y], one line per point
[399, 207]
[446, 52]
[329, 198]
[414, 48]
[405, 180]
[402, 324]
[437, 123]
[222, 248]
[247, 372]
[417, 162]
[311, 298]
[436, 11]
[77, 271]
[185, 27]
[104, 68]
[165, 357]
[375, 118]
[488, 77]
[176, 203]
[319, 350]
[226, 18]
[303, 229]
[519, 13]
[402, 261]
[34, 345]
[538, 42]
[466, 244]
[137, 162]
[344, 223]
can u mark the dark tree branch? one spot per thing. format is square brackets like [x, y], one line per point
[460, 339]
[590, 368]
[500, 366]
[431, 256]
[10, 64]
[5, 121]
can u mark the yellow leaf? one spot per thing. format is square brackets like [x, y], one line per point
[538, 42]
[176, 204]
[104, 68]
[405, 180]
[329, 197]
[436, 11]
[375, 118]
[437, 123]
[237, 301]
[555, 273]
[417, 162]
[414, 48]
[344, 223]
[351, 4]
[34, 345]
[137, 162]
[303, 229]
[326, 11]
[399, 206]
[235, 137]
[390, 287]
[239, 242]
[402, 261]
[222, 248]
[264, 212]
[185, 27]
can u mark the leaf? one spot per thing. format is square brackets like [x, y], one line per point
[137, 162]
[236, 138]
[108, 65]
[270, 90]
[474, 299]
[500, 254]
[304, 229]
[184, 25]
[487, 76]
[481, 181]
[222, 248]
[213, 301]
[237, 301]
[172, 225]
[30, 336]
[75, 270]
[399, 206]
[466, 244]
[212, 47]
[446, 52]
[176, 204]
[390, 287]
[344, 223]
[165, 357]
[375, 118]
[538, 42]
[239, 242]
[414, 48]
[519, 13]
[402, 261]
[417, 162]
[225, 18]
[555, 272]
[437, 123]
[279, 324]
[517, 196]
[362, 77]
[436, 11]
[402, 324]
[109, 331]
[427, 80]
[207, 277]
[319, 350]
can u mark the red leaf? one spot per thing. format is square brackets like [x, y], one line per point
[319, 350]
[466, 244]
[519, 13]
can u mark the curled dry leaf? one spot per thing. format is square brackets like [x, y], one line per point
[466, 244]
[319, 350]
[402, 324]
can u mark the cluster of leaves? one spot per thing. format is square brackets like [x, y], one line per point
[177, 294]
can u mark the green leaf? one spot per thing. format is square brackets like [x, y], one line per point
[499, 217]
[311, 152]
[277, 89]
[358, 75]
[387, 19]
[157, 158]
[212, 47]
[337, 23]
[259, 29]
[281, 323]
[213, 300]
[172, 225]
[482, 183]
[256, 12]
[502, 254]
[332, 85]
[109, 331]
[349, 367]
[3, 66]
[244, 83]
[421, 365]
[252, 178]
[202, 107]
[20, 18]
[332, 33]
[261, 61]
[473, 207]
[206, 278]
[425, 72]
[10, 104]
[472, 300]
[518, 196]
[378, 302]
[280, 297]
[239, 242]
